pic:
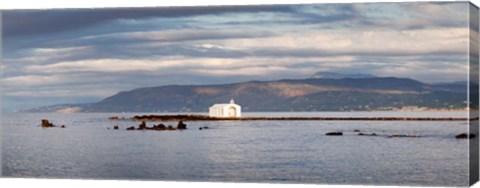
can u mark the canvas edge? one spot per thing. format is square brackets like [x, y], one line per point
[1, 93]
[473, 98]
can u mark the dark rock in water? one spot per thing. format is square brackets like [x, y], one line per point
[159, 127]
[181, 125]
[363, 134]
[403, 136]
[170, 128]
[116, 118]
[142, 126]
[356, 130]
[46, 123]
[63, 126]
[334, 134]
[200, 128]
[465, 136]
[115, 127]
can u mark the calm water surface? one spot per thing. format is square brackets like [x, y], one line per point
[248, 151]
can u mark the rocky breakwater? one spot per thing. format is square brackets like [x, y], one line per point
[209, 118]
[159, 127]
[465, 136]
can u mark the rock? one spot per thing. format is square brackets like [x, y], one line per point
[200, 128]
[363, 134]
[116, 118]
[181, 125]
[142, 126]
[46, 123]
[130, 128]
[403, 136]
[206, 127]
[159, 127]
[334, 134]
[170, 128]
[115, 127]
[63, 126]
[356, 130]
[465, 136]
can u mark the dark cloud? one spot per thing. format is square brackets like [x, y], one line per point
[18, 23]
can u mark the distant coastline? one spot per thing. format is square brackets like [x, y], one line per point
[286, 95]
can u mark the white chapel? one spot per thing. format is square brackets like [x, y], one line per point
[225, 110]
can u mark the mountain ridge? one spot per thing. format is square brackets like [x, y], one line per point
[310, 94]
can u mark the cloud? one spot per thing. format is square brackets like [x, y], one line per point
[98, 52]
[165, 65]
[47, 55]
[439, 72]
[66, 92]
[356, 42]
[179, 35]
[29, 80]
[19, 23]
[414, 15]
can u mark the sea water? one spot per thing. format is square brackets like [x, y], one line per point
[240, 151]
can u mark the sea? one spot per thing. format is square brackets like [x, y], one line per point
[240, 151]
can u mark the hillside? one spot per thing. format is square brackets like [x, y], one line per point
[288, 95]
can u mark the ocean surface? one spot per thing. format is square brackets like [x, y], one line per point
[240, 151]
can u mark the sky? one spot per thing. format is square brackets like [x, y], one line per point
[60, 56]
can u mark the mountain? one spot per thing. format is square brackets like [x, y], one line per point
[312, 94]
[334, 75]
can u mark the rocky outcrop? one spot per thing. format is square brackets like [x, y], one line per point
[46, 123]
[159, 127]
[363, 134]
[116, 118]
[465, 136]
[142, 126]
[181, 125]
[334, 134]
[403, 136]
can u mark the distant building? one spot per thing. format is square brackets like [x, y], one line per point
[225, 110]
